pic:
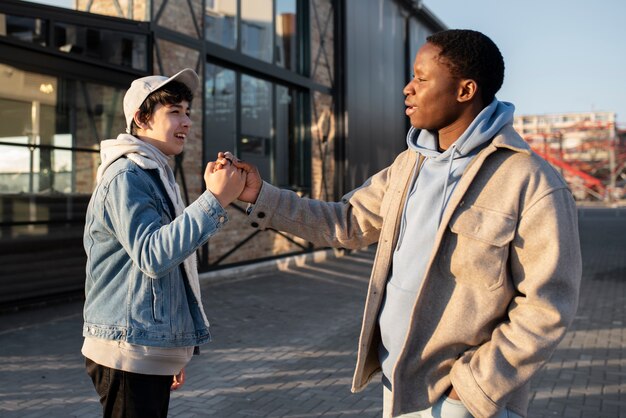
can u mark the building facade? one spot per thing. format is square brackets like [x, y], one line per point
[308, 90]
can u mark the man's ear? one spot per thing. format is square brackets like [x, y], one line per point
[467, 90]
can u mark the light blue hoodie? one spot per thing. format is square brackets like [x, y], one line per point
[424, 207]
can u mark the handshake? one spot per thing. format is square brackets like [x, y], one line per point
[229, 178]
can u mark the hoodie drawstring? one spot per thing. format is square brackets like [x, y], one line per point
[414, 174]
[445, 183]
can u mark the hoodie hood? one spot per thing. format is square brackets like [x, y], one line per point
[482, 129]
[148, 156]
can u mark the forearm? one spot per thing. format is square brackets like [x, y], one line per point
[156, 248]
[333, 224]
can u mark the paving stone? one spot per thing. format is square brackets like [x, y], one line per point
[285, 345]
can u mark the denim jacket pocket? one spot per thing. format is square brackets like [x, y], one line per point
[475, 248]
[164, 210]
[157, 299]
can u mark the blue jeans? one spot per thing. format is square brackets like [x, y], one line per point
[443, 408]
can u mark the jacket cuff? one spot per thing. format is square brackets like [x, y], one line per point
[266, 203]
[211, 206]
[470, 392]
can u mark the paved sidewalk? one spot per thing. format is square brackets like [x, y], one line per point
[284, 345]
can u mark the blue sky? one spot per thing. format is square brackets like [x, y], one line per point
[560, 55]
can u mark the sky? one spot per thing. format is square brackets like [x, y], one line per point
[560, 55]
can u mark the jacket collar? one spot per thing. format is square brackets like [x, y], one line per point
[509, 138]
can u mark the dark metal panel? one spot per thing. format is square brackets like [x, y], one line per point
[375, 76]
[340, 82]
[36, 267]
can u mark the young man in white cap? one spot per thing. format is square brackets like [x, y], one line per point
[143, 314]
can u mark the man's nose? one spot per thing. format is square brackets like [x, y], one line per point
[408, 88]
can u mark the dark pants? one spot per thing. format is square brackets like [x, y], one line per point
[130, 395]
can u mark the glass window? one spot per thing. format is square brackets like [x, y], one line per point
[267, 132]
[287, 149]
[256, 29]
[220, 110]
[25, 29]
[220, 18]
[15, 167]
[286, 40]
[68, 4]
[256, 124]
[119, 48]
[51, 130]
[268, 28]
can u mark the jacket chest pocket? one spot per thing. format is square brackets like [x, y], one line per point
[164, 210]
[475, 249]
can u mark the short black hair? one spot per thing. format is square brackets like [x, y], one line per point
[471, 54]
[173, 92]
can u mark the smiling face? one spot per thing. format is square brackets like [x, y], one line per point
[167, 128]
[432, 95]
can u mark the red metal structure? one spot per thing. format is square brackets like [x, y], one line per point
[590, 155]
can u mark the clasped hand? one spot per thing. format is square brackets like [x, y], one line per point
[229, 178]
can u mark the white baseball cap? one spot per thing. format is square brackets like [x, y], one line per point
[141, 88]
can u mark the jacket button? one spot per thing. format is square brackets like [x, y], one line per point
[261, 215]
[254, 225]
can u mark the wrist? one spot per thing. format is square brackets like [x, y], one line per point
[452, 394]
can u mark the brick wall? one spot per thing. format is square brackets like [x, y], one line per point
[128, 9]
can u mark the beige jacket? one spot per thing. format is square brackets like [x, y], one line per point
[501, 286]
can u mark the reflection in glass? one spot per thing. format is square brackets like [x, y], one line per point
[61, 164]
[29, 170]
[51, 128]
[256, 124]
[25, 29]
[69, 4]
[322, 42]
[256, 29]
[220, 115]
[15, 173]
[286, 34]
[97, 110]
[284, 149]
[256, 112]
[270, 131]
[119, 48]
[220, 22]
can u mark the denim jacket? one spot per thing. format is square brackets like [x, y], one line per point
[136, 290]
